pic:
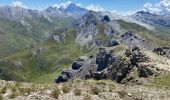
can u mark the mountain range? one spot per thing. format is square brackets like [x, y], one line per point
[96, 55]
[36, 45]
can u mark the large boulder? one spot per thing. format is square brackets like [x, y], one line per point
[79, 62]
[65, 76]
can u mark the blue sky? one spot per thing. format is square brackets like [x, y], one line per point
[111, 5]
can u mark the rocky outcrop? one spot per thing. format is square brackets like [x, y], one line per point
[119, 69]
[113, 42]
[136, 56]
[105, 19]
[107, 66]
[131, 39]
[103, 59]
[164, 51]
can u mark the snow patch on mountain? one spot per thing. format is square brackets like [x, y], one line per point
[95, 8]
[62, 5]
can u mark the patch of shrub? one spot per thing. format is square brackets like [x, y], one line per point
[95, 90]
[101, 82]
[18, 84]
[3, 90]
[1, 97]
[23, 91]
[65, 88]
[87, 97]
[122, 94]
[55, 93]
[77, 91]
[13, 88]
[12, 96]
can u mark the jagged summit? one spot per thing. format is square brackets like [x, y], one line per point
[68, 9]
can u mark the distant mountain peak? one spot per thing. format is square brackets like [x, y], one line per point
[63, 5]
[74, 9]
[66, 9]
[152, 18]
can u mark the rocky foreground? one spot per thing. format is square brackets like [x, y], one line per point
[81, 90]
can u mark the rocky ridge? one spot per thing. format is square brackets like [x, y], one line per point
[152, 19]
[135, 64]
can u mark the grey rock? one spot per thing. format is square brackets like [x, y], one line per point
[78, 63]
[119, 69]
[103, 59]
[65, 76]
[113, 42]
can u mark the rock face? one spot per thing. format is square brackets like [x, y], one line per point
[107, 66]
[90, 30]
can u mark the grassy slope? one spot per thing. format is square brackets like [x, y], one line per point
[150, 36]
[162, 81]
[55, 57]
[15, 35]
[47, 65]
[165, 32]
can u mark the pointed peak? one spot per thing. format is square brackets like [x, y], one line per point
[63, 5]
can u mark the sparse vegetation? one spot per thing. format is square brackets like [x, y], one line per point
[1, 97]
[87, 97]
[95, 90]
[122, 94]
[55, 93]
[162, 81]
[24, 91]
[77, 91]
[3, 90]
[101, 82]
[65, 88]
[18, 84]
[12, 96]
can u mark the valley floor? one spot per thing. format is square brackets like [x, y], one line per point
[81, 90]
